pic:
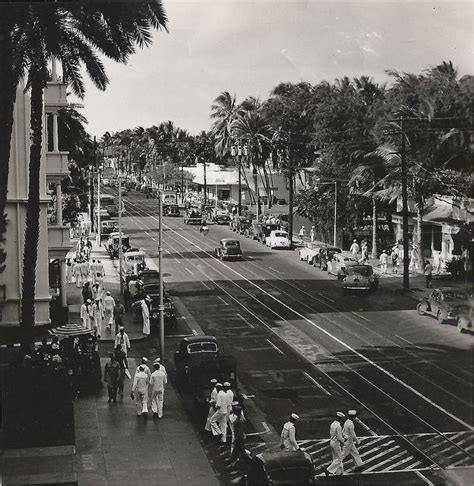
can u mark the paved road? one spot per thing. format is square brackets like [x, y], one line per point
[302, 346]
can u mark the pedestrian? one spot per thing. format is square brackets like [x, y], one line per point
[111, 377]
[238, 441]
[218, 420]
[77, 274]
[140, 391]
[68, 270]
[87, 292]
[312, 234]
[86, 314]
[288, 434]
[144, 365]
[100, 273]
[212, 404]
[122, 339]
[302, 232]
[394, 258]
[336, 442]
[93, 270]
[85, 271]
[428, 271]
[413, 265]
[146, 315]
[383, 262]
[88, 247]
[109, 305]
[96, 292]
[121, 359]
[119, 311]
[351, 441]
[438, 262]
[97, 315]
[158, 382]
[354, 249]
[364, 253]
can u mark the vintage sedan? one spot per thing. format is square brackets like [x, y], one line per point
[358, 277]
[324, 256]
[278, 239]
[169, 315]
[308, 252]
[339, 263]
[220, 216]
[229, 248]
[447, 305]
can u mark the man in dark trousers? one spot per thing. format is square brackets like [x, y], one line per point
[240, 425]
[121, 359]
[111, 377]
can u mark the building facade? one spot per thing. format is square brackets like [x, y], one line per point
[54, 236]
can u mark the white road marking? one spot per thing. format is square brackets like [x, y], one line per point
[246, 321]
[222, 300]
[189, 271]
[361, 316]
[274, 346]
[194, 332]
[205, 285]
[247, 397]
[408, 342]
[276, 271]
[321, 387]
[424, 478]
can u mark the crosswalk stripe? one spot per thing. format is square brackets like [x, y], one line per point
[386, 461]
[383, 453]
[398, 464]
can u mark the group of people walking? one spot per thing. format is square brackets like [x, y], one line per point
[225, 412]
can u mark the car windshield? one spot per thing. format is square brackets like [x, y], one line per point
[281, 234]
[455, 295]
[202, 347]
[234, 244]
[364, 271]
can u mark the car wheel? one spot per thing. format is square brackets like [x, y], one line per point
[460, 327]
[421, 309]
[441, 317]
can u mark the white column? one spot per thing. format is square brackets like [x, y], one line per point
[59, 205]
[54, 74]
[63, 286]
[55, 133]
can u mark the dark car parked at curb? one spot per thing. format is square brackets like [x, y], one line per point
[229, 249]
[198, 360]
[169, 314]
[266, 231]
[171, 210]
[448, 305]
[294, 468]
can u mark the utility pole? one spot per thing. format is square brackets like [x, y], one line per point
[205, 182]
[290, 192]
[240, 185]
[161, 307]
[182, 184]
[335, 213]
[98, 205]
[255, 174]
[91, 186]
[120, 232]
[406, 259]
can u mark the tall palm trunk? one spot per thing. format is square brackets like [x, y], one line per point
[290, 205]
[32, 230]
[7, 103]
[374, 228]
[419, 235]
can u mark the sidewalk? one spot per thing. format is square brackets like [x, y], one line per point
[116, 447]
[111, 283]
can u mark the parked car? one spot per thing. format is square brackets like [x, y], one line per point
[254, 231]
[198, 360]
[229, 248]
[266, 231]
[358, 277]
[339, 262]
[324, 256]
[243, 224]
[193, 215]
[107, 227]
[281, 468]
[220, 216]
[171, 210]
[448, 305]
[278, 239]
[112, 245]
[309, 251]
[169, 314]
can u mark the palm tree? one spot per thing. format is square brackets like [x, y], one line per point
[224, 112]
[252, 130]
[72, 33]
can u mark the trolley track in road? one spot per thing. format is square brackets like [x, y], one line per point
[430, 460]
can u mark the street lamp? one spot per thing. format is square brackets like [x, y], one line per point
[161, 307]
[335, 206]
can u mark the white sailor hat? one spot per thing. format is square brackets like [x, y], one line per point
[218, 384]
[145, 359]
[214, 381]
[294, 416]
[351, 412]
[226, 383]
[340, 414]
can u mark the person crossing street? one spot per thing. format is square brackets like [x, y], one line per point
[212, 404]
[351, 441]
[288, 434]
[336, 441]
[140, 391]
[219, 418]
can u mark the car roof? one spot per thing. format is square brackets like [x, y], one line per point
[199, 339]
[227, 240]
[283, 459]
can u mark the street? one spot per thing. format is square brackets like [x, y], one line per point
[302, 346]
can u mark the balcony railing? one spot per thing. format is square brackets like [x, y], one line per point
[56, 164]
[55, 95]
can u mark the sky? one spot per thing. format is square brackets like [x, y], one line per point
[247, 47]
